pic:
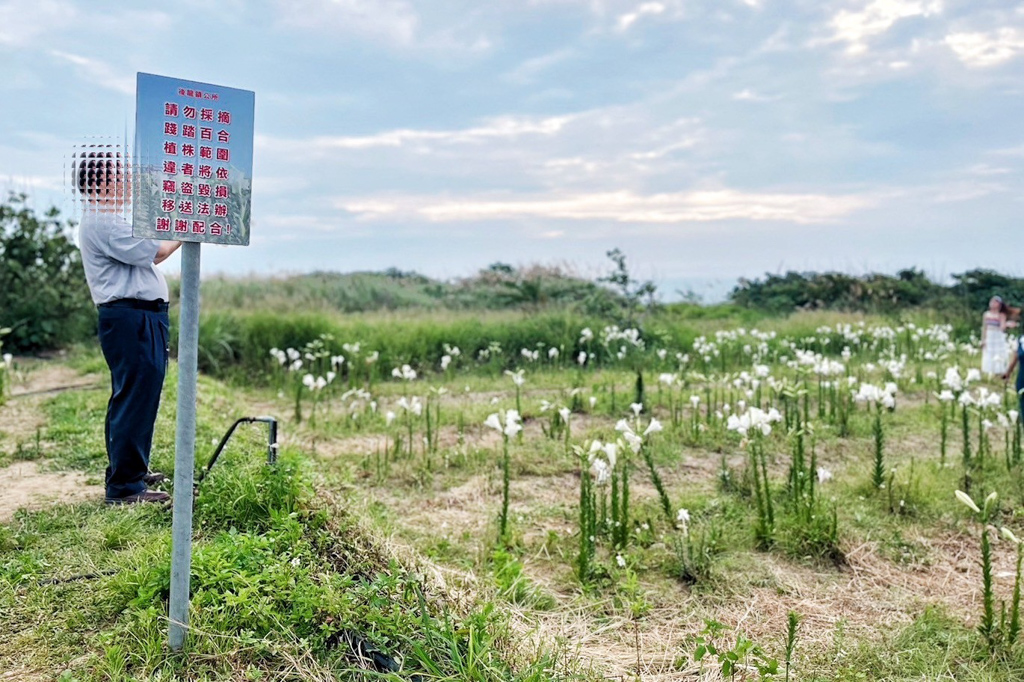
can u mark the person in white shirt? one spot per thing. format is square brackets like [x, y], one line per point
[131, 295]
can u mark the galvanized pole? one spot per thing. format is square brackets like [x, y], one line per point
[185, 444]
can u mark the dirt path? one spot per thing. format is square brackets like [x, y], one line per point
[30, 484]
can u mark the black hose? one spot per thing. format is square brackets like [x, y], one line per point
[271, 459]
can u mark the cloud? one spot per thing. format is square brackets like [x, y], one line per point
[504, 127]
[98, 72]
[532, 69]
[645, 9]
[856, 28]
[621, 207]
[748, 95]
[395, 22]
[392, 20]
[23, 22]
[981, 50]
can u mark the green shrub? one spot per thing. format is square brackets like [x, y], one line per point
[44, 299]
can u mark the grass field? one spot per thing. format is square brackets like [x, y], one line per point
[821, 541]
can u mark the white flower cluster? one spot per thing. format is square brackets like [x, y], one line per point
[635, 441]
[413, 405]
[517, 376]
[885, 396]
[512, 426]
[404, 372]
[957, 384]
[317, 383]
[602, 458]
[753, 419]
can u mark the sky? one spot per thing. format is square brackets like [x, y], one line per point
[707, 139]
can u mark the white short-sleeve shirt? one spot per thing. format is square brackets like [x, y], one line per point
[117, 265]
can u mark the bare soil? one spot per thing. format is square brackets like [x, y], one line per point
[31, 485]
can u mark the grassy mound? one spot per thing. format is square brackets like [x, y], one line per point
[285, 584]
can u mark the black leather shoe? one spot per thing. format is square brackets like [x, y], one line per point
[144, 496]
[153, 477]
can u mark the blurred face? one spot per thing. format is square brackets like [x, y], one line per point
[108, 183]
[994, 305]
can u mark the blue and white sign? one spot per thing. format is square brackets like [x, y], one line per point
[192, 163]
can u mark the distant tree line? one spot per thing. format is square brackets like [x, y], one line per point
[968, 293]
[45, 304]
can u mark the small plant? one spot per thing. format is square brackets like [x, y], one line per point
[695, 548]
[742, 658]
[637, 443]
[989, 629]
[6, 363]
[754, 425]
[509, 429]
[792, 622]
[879, 399]
[518, 379]
[1013, 627]
[946, 406]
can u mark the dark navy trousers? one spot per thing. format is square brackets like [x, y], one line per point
[135, 346]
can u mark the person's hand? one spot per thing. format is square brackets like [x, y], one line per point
[1006, 376]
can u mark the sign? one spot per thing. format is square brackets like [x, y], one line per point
[192, 182]
[192, 177]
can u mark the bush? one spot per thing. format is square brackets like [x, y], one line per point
[44, 298]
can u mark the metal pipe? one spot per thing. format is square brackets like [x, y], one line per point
[185, 445]
[271, 443]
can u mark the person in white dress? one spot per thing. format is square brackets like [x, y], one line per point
[995, 352]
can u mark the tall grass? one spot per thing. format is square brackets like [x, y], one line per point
[238, 343]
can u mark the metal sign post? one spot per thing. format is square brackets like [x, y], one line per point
[192, 182]
[185, 444]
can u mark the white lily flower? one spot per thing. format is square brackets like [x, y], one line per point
[966, 499]
[512, 424]
[309, 381]
[637, 408]
[493, 421]
[653, 427]
[611, 453]
[517, 376]
[634, 441]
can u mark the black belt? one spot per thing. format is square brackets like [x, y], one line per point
[136, 304]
